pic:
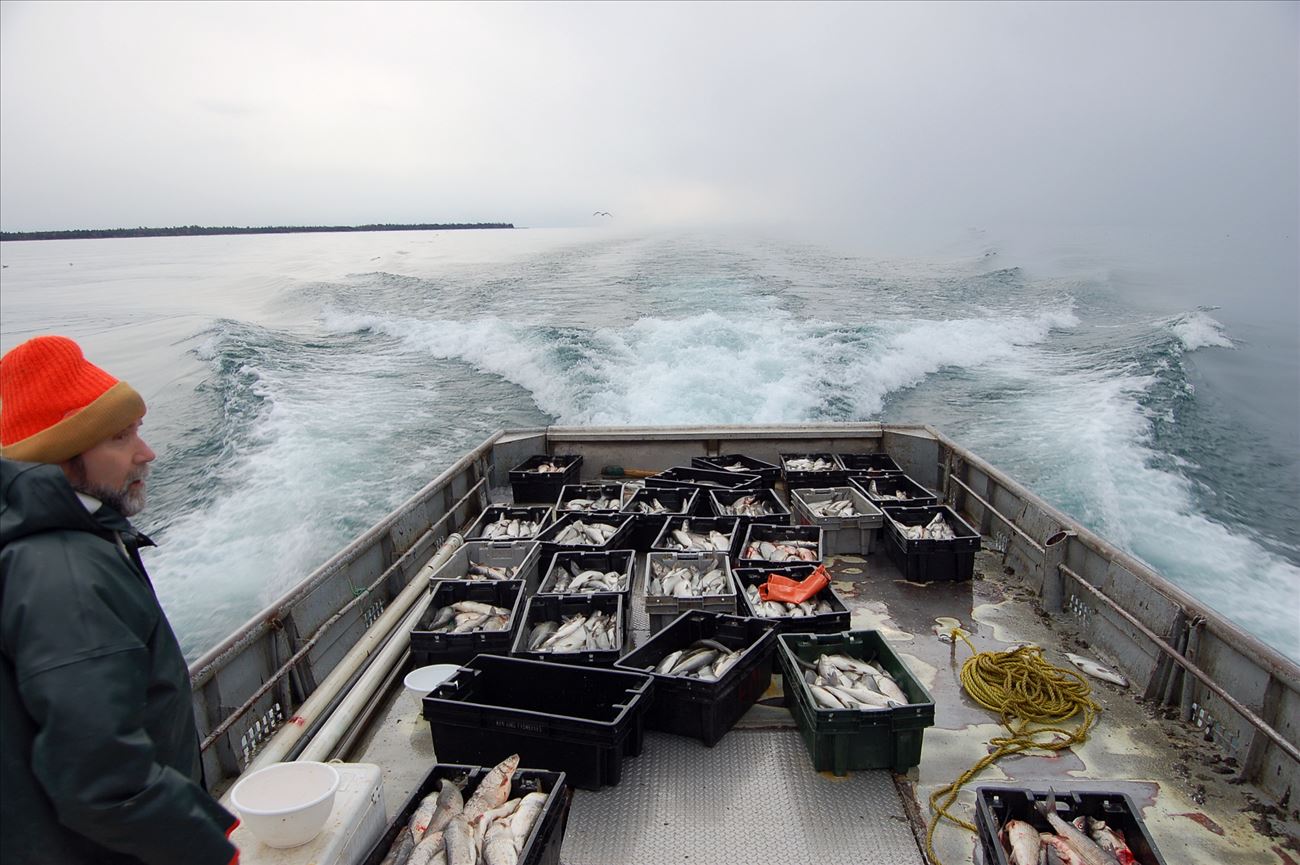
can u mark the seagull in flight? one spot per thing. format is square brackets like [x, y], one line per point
[602, 213]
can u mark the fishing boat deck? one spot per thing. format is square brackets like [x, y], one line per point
[755, 797]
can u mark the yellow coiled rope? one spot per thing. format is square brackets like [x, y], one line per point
[1031, 697]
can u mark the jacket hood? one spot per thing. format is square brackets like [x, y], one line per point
[36, 497]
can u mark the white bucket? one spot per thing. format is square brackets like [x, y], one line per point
[286, 804]
[422, 680]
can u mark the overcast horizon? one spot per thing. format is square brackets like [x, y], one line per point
[934, 115]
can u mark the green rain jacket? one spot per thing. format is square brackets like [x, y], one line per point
[99, 753]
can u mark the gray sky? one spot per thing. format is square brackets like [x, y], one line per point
[125, 114]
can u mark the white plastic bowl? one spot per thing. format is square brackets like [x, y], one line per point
[422, 680]
[286, 804]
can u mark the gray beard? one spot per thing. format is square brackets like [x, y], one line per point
[124, 501]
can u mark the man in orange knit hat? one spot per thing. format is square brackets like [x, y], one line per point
[99, 752]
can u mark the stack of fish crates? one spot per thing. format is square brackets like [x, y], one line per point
[538, 517]
[442, 647]
[704, 708]
[662, 609]
[620, 523]
[930, 560]
[678, 502]
[885, 492]
[831, 476]
[540, 847]
[529, 484]
[724, 503]
[809, 537]
[702, 479]
[602, 498]
[841, 740]
[832, 622]
[996, 806]
[562, 609]
[768, 473]
[846, 535]
[575, 719]
[480, 561]
[569, 564]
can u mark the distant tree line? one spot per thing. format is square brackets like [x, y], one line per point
[190, 230]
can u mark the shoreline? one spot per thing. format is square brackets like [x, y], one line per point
[201, 230]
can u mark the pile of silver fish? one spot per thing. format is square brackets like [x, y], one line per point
[704, 659]
[749, 506]
[738, 467]
[935, 530]
[841, 682]
[784, 551]
[782, 610]
[491, 828]
[897, 495]
[833, 507]
[486, 572]
[599, 503]
[686, 580]
[578, 533]
[654, 506]
[1081, 841]
[508, 529]
[548, 468]
[817, 464]
[583, 582]
[465, 617]
[580, 633]
[685, 539]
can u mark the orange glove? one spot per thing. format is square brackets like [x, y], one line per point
[791, 592]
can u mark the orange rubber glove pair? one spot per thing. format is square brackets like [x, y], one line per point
[788, 591]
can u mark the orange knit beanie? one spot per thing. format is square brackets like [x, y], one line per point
[55, 404]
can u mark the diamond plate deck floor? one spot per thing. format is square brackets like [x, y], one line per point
[753, 798]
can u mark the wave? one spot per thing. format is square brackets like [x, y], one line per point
[312, 440]
[711, 367]
[1197, 329]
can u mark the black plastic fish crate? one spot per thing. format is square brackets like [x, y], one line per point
[994, 806]
[824, 623]
[540, 514]
[617, 541]
[542, 846]
[428, 647]
[869, 463]
[918, 496]
[768, 474]
[728, 526]
[569, 492]
[840, 535]
[578, 720]
[680, 501]
[663, 609]
[776, 535]
[492, 554]
[696, 708]
[781, 516]
[832, 477]
[556, 608]
[623, 561]
[530, 485]
[704, 479]
[928, 561]
[840, 740]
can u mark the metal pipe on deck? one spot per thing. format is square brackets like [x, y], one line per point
[361, 695]
[1189, 667]
[371, 642]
